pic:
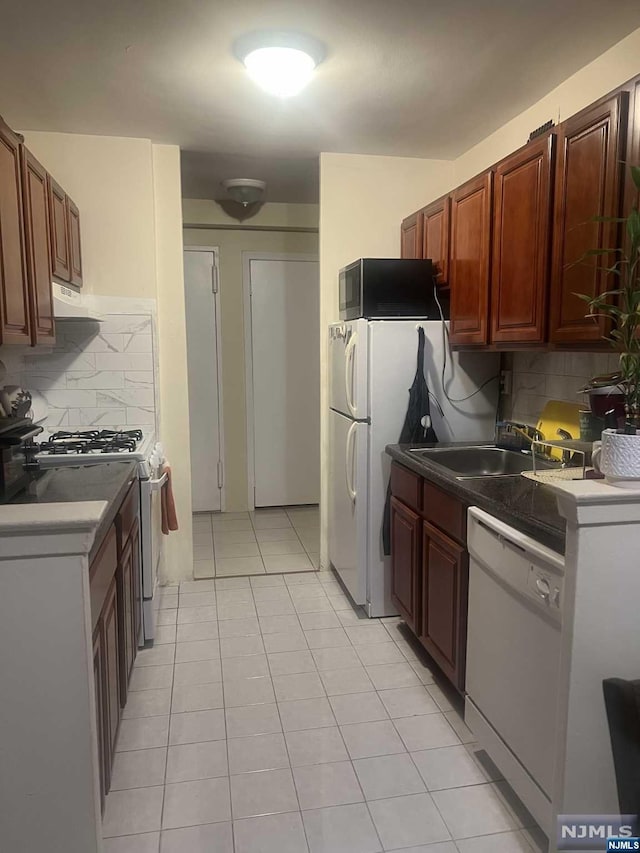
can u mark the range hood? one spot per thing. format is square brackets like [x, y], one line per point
[70, 305]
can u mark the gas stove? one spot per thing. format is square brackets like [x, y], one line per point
[94, 445]
[92, 441]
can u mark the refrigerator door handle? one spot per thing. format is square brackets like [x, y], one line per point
[349, 460]
[348, 374]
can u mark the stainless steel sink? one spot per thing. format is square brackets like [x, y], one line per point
[487, 461]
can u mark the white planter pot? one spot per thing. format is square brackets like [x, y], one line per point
[617, 456]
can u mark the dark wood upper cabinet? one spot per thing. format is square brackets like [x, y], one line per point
[59, 231]
[36, 226]
[589, 182]
[405, 566]
[411, 236]
[523, 193]
[469, 261]
[435, 237]
[15, 327]
[75, 255]
[631, 194]
[445, 581]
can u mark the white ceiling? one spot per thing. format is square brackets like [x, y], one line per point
[423, 78]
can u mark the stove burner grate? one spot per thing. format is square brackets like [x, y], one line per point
[92, 441]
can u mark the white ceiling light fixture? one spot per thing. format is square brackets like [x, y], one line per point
[245, 191]
[281, 63]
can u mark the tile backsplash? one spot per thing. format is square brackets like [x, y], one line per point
[544, 376]
[99, 375]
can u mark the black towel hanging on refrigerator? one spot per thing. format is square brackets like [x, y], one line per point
[417, 429]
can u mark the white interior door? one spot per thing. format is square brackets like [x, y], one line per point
[203, 365]
[285, 345]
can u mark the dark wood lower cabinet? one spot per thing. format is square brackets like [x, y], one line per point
[445, 578]
[405, 544]
[137, 586]
[112, 668]
[129, 593]
[100, 696]
[115, 581]
[430, 568]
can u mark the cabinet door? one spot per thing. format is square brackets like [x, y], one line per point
[125, 602]
[75, 255]
[136, 578]
[589, 181]
[521, 239]
[411, 236]
[109, 621]
[405, 544]
[631, 194]
[435, 237]
[36, 223]
[445, 579]
[14, 290]
[101, 711]
[469, 261]
[59, 231]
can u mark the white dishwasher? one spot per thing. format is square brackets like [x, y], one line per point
[513, 655]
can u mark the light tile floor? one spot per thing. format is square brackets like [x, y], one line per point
[266, 541]
[273, 717]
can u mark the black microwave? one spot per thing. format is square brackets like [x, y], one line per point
[385, 288]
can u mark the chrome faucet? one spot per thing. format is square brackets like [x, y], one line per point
[524, 431]
[567, 455]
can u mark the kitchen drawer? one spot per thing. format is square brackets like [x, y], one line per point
[444, 511]
[101, 572]
[406, 486]
[129, 512]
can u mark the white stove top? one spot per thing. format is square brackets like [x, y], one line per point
[141, 453]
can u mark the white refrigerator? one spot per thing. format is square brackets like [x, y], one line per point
[372, 364]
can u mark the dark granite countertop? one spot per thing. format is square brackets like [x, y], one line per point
[527, 506]
[99, 481]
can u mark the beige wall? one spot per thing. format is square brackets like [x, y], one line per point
[362, 201]
[128, 192]
[111, 181]
[174, 393]
[231, 245]
[616, 66]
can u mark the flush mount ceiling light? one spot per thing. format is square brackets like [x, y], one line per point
[281, 63]
[246, 191]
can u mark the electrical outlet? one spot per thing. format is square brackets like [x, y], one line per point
[506, 381]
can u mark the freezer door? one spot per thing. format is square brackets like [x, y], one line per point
[348, 345]
[467, 414]
[348, 497]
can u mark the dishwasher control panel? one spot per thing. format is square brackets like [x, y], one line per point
[545, 587]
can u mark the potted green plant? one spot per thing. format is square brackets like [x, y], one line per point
[619, 456]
